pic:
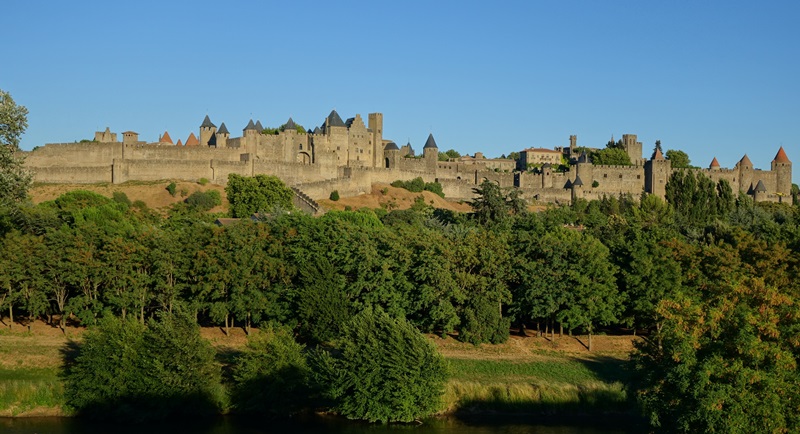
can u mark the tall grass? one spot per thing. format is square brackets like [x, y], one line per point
[25, 389]
[559, 385]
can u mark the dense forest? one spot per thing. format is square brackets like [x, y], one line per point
[708, 279]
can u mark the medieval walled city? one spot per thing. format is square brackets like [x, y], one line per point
[349, 156]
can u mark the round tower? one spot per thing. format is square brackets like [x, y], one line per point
[430, 153]
[657, 171]
[207, 131]
[745, 174]
[391, 156]
[782, 168]
[222, 136]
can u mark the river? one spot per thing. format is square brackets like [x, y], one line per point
[311, 424]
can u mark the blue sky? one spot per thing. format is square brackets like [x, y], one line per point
[711, 78]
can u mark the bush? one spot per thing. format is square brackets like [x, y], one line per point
[204, 200]
[203, 181]
[417, 185]
[271, 375]
[172, 188]
[334, 195]
[129, 371]
[386, 370]
[121, 197]
[260, 193]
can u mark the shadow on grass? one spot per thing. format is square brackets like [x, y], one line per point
[607, 369]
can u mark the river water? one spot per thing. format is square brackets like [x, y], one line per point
[315, 424]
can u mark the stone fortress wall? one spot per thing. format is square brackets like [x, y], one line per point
[350, 156]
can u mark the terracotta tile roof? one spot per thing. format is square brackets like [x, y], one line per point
[781, 157]
[745, 161]
[166, 138]
[179, 143]
[192, 140]
[714, 163]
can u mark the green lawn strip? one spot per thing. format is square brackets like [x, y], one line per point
[557, 384]
[24, 389]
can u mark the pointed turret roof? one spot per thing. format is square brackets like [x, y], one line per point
[207, 123]
[714, 163]
[222, 129]
[192, 140]
[317, 130]
[745, 161]
[290, 125]
[259, 127]
[179, 143]
[391, 146]
[657, 155]
[781, 156]
[430, 143]
[760, 187]
[166, 138]
[250, 126]
[583, 158]
[577, 181]
[334, 120]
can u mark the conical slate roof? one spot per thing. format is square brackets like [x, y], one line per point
[760, 187]
[207, 123]
[259, 127]
[577, 181]
[223, 129]
[290, 125]
[583, 158]
[781, 157]
[391, 146]
[166, 138]
[334, 120]
[714, 163]
[317, 130]
[430, 143]
[250, 126]
[745, 161]
[192, 140]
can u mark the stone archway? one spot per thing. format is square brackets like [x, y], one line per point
[303, 157]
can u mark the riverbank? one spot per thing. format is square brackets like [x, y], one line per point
[526, 375]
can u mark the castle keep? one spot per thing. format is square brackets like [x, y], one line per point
[349, 156]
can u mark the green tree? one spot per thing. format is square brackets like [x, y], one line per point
[450, 153]
[385, 370]
[271, 374]
[678, 159]
[610, 157]
[261, 193]
[127, 370]
[15, 180]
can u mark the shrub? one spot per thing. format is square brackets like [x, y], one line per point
[334, 195]
[257, 194]
[203, 181]
[204, 200]
[172, 188]
[595, 184]
[386, 370]
[126, 370]
[417, 185]
[121, 197]
[271, 375]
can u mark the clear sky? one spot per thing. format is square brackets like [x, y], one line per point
[711, 78]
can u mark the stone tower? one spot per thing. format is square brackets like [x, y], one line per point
[250, 135]
[633, 148]
[783, 175]
[584, 170]
[656, 174]
[745, 169]
[430, 152]
[391, 156]
[375, 125]
[207, 131]
[760, 192]
[577, 188]
[222, 136]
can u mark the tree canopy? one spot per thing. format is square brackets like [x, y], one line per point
[260, 193]
[678, 159]
[15, 180]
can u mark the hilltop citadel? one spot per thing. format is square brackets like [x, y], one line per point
[349, 156]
